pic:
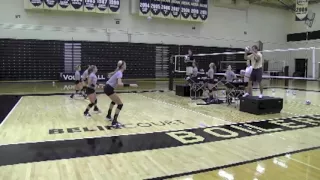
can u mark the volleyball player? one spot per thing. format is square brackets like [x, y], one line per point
[211, 83]
[256, 61]
[194, 69]
[77, 78]
[230, 75]
[85, 82]
[189, 60]
[114, 81]
[91, 90]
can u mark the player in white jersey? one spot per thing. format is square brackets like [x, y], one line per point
[78, 83]
[114, 81]
[85, 76]
[91, 90]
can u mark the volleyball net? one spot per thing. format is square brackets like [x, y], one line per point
[279, 64]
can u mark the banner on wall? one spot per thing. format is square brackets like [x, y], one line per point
[64, 5]
[194, 10]
[144, 6]
[33, 4]
[166, 8]
[175, 9]
[51, 4]
[155, 7]
[89, 5]
[203, 10]
[114, 6]
[301, 10]
[71, 77]
[185, 10]
[77, 5]
[102, 6]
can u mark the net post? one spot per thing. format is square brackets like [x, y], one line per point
[171, 72]
[313, 62]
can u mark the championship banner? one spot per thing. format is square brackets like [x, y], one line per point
[175, 9]
[165, 8]
[185, 10]
[77, 5]
[194, 10]
[155, 7]
[33, 4]
[144, 8]
[114, 6]
[301, 10]
[64, 5]
[102, 6]
[51, 4]
[89, 5]
[203, 8]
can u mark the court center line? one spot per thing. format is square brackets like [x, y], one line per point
[14, 107]
[298, 161]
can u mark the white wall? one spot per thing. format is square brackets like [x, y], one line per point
[225, 27]
[298, 27]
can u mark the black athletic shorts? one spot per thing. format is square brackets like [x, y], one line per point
[256, 75]
[90, 91]
[108, 90]
[77, 82]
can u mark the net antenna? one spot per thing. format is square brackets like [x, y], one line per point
[309, 22]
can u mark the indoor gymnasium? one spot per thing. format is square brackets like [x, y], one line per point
[159, 89]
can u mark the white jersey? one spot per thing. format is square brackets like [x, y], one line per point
[247, 74]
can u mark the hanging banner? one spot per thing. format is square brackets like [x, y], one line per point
[51, 4]
[185, 10]
[175, 9]
[102, 6]
[33, 4]
[114, 6]
[77, 5]
[89, 5]
[301, 10]
[194, 10]
[166, 8]
[203, 8]
[64, 5]
[144, 7]
[155, 7]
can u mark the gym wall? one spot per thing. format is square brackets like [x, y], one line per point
[224, 27]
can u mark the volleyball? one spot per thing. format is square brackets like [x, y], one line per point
[308, 102]
[247, 49]
[186, 57]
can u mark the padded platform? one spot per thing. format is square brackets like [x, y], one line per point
[265, 105]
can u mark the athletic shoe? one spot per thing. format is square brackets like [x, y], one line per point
[96, 110]
[245, 95]
[117, 125]
[109, 118]
[86, 114]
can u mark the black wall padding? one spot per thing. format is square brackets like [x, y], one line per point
[30, 59]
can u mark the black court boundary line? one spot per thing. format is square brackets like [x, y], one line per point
[233, 164]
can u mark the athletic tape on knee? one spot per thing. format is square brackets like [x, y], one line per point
[120, 106]
[113, 103]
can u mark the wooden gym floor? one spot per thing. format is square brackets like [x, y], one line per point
[45, 136]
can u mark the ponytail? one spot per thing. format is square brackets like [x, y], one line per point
[119, 66]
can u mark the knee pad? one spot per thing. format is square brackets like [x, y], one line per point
[119, 106]
[210, 90]
[91, 104]
[96, 101]
[113, 103]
